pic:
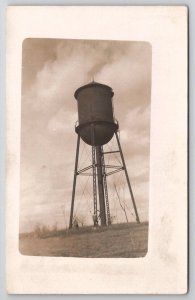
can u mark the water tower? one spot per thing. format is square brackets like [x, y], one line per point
[96, 127]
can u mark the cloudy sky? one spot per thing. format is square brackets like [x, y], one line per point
[52, 70]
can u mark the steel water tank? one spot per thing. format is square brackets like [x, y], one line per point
[96, 124]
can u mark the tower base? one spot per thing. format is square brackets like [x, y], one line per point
[99, 174]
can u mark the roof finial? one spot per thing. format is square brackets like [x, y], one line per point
[93, 79]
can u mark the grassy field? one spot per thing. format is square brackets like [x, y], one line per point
[118, 240]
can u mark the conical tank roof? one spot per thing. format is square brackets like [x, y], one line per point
[93, 84]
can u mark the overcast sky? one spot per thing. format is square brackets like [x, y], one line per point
[52, 70]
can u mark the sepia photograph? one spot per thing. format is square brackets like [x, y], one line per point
[85, 145]
[96, 129]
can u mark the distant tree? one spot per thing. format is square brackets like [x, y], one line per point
[122, 205]
[64, 216]
[54, 228]
[41, 230]
[80, 219]
[75, 221]
[112, 218]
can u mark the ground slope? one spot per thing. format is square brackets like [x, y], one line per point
[118, 240]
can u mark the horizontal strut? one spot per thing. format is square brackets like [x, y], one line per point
[115, 171]
[85, 174]
[108, 152]
[84, 169]
[114, 167]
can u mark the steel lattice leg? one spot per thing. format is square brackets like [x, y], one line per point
[105, 189]
[101, 186]
[74, 182]
[95, 218]
[127, 177]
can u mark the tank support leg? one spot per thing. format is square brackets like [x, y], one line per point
[74, 182]
[100, 186]
[127, 177]
[105, 188]
[95, 217]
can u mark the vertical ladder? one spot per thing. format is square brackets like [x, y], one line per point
[94, 184]
[95, 217]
